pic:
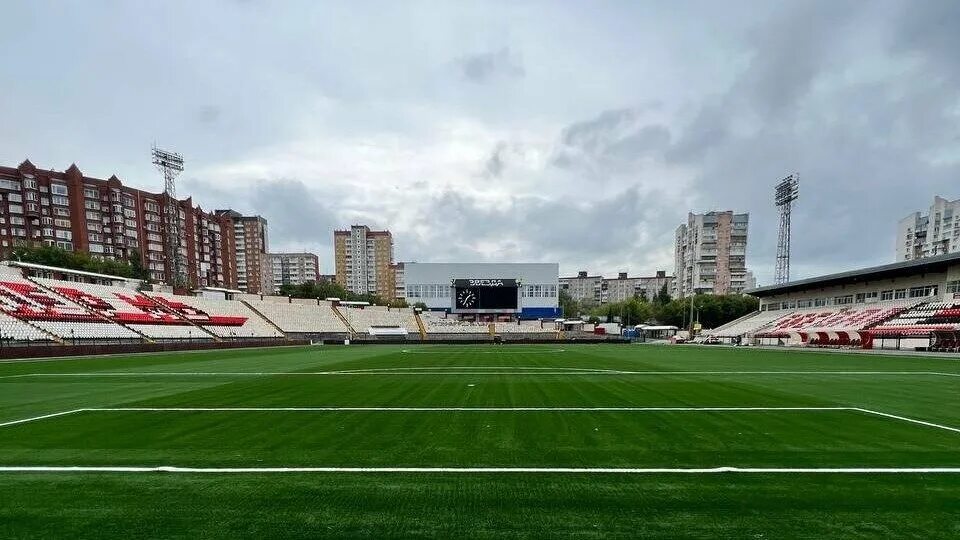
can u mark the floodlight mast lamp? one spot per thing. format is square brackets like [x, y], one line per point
[784, 193]
[170, 164]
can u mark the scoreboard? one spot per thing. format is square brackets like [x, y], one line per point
[486, 296]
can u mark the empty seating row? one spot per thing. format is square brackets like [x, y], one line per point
[748, 325]
[923, 319]
[224, 318]
[362, 320]
[825, 320]
[301, 317]
[438, 325]
[16, 330]
[116, 303]
[87, 330]
[28, 301]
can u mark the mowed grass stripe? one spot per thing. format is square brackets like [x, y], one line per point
[321, 437]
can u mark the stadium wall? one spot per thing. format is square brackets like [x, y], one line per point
[130, 348]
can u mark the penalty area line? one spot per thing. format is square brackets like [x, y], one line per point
[486, 470]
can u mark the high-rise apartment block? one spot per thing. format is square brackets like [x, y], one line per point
[364, 261]
[710, 254]
[935, 233]
[109, 220]
[291, 269]
[251, 240]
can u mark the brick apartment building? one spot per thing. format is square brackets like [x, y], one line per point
[107, 219]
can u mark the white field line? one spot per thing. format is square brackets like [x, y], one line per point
[42, 417]
[905, 419]
[482, 370]
[491, 470]
[462, 409]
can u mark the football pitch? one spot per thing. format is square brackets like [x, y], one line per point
[523, 441]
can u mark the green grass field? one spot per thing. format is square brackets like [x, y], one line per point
[590, 441]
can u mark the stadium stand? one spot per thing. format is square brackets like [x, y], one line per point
[439, 325]
[923, 319]
[747, 325]
[379, 320]
[16, 330]
[224, 318]
[126, 307]
[28, 301]
[303, 318]
[825, 326]
[523, 327]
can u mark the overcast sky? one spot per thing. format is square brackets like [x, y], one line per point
[578, 132]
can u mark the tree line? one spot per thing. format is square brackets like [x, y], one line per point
[131, 267]
[710, 310]
[331, 289]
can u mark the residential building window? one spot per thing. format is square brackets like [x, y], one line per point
[899, 294]
[886, 295]
[58, 189]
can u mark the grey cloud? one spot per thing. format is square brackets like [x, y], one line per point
[485, 67]
[625, 227]
[610, 142]
[932, 30]
[208, 114]
[495, 164]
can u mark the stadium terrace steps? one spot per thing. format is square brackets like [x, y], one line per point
[128, 308]
[221, 318]
[76, 295]
[343, 319]
[294, 317]
[56, 314]
[380, 320]
[264, 317]
[922, 319]
[720, 329]
[821, 325]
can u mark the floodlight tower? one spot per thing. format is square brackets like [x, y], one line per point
[784, 193]
[170, 164]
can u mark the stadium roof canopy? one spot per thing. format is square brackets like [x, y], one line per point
[58, 269]
[899, 269]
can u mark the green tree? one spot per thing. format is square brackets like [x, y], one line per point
[662, 297]
[568, 306]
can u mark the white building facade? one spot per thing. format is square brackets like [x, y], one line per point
[928, 235]
[433, 284]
